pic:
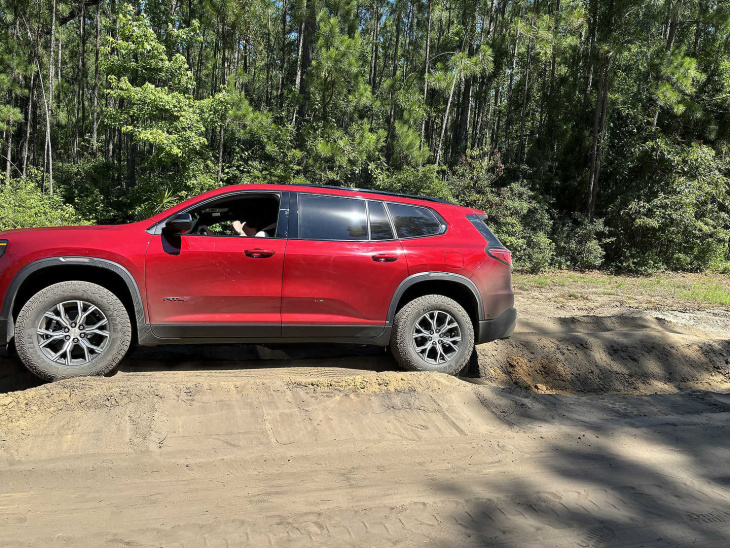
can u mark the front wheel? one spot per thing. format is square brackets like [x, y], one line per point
[72, 329]
[432, 333]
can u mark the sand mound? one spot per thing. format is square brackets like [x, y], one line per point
[593, 354]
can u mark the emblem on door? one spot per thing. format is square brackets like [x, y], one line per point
[175, 299]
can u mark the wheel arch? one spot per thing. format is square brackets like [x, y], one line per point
[45, 272]
[457, 287]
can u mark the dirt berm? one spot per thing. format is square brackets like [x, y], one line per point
[638, 352]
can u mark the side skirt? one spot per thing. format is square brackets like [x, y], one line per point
[227, 334]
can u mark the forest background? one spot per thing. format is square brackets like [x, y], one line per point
[594, 133]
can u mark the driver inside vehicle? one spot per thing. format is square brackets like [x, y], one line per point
[249, 216]
[248, 229]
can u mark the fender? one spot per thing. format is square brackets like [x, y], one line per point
[6, 315]
[430, 276]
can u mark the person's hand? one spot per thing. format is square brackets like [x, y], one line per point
[237, 227]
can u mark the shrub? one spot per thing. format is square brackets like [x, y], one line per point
[23, 205]
[517, 215]
[577, 243]
[674, 215]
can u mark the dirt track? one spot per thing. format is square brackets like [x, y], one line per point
[596, 425]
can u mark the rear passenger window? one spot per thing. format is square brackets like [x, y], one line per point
[380, 228]
[412, 221]
[332, 218]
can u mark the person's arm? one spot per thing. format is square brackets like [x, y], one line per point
[237, 227]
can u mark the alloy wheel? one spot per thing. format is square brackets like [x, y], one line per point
[73, 333]
[436, 337]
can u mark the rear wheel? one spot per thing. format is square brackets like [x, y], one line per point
[72, 329]
[432, 333]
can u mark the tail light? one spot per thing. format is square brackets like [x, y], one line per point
[503, 255]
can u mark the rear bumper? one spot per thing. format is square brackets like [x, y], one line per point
[499, 328]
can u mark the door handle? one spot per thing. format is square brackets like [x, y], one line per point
[259, 253]
[385, 258]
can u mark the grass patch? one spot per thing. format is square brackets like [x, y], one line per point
[712, 294]
[706, 289]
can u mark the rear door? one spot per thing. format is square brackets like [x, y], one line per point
[343, 265]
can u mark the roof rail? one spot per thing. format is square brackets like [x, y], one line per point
[383, 192]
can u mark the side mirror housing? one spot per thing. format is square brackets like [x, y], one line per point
[179, 224]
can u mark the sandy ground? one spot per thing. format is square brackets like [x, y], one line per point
[597, 424]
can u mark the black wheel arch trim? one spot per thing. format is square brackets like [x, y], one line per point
[6, 313]
[414, 279]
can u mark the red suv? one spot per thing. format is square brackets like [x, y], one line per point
[260, 263]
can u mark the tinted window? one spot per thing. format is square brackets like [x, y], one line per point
[483, 229]
[411, 221]
[332, 218]
[216, 218]
[380, 228]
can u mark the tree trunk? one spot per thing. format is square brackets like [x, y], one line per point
[446, 117]
[48, 154]
[95, 121]
[282, 70]
[309, 28]
[268, 58]
[28, 118]
[523, 114]
[8, 161]
[672, 25]
[599, 131]
[50, 54]
[425, 75]
[374, 48]
[393, 74]
[508, 122]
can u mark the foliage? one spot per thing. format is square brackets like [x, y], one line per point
[23, 205]
[579, 243]
[516, 214]
[675, 214]
[161, 117]
[593, 132]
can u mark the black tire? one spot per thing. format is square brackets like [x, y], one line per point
[402, 343]
[118, 326]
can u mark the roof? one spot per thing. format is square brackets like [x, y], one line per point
[340, 190]
[381, 192]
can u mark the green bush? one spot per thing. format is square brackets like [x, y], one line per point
[22, 205]
[675, 214]
[517, 215]
[578, 244]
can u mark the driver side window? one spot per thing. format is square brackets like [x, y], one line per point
[240, 215]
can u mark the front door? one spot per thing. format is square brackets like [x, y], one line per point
[213, 282]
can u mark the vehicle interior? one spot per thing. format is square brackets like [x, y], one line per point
[257, 210]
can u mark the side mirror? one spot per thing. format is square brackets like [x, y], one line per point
[179, 224]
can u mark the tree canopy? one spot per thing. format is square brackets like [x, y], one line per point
[593, 132]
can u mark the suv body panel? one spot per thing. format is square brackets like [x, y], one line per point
[314, 290]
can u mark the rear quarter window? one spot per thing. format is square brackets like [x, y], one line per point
[480, 224]
[415, 221]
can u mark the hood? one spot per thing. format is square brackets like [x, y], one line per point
[86, 228]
